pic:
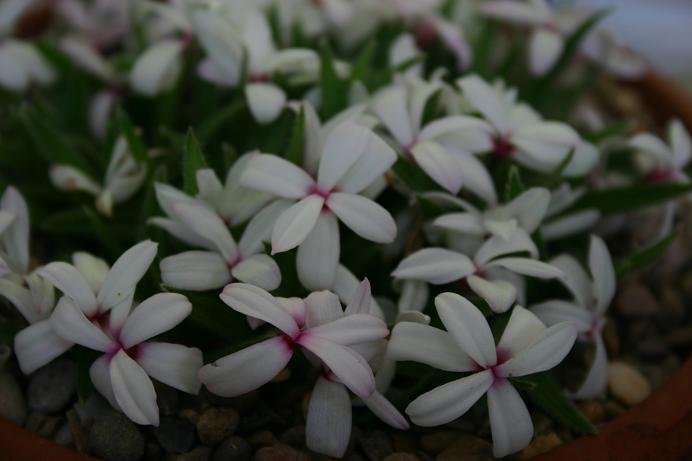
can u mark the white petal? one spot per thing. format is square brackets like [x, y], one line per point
[13, 77]
[247, 369]
[573, 223]
[348, 366]
[376, 160]
[439, 164]
[70, 323]
[37, 344]
[209, 226]
[510, 421]
[446, 403]
[428, 345]
[383, 409]
[172, 364]
[363, 216]
[20, 297]
[521, 331]
[72, 283]
[351, 329]
[195, 270]
[653, 145]
[596, 380]
[345, 284]
[556, 311]
[434, 265]
[318, 255]
[529, 208]
[266, 101]
[527, 266]
[468, 327]
[546, 351]
[16, 237]
[603, 273]
[86, 56]
[414, 296]
[545, 145]
[360, 300]
[475, 178]
[344, 146]
[544, 49]
[69, 178]
[519, 12]
[583, 160]
[133, 390]
[463, 223]
[127, 270]
[496, 246]
[294, 225]
[222, 43]
[390, 106]
[328, 425]
[256, 302]
[157, 69]
[322, 307]
[153, 316]
[575, 279]
[272, 174]
[100, 375]
[680, 143]
[259, 229]
[260, 270]
[92, 268]
[462, 133]
[499, 294]
[486, 101]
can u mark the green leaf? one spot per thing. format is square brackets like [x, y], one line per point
[214, 316]
[514, 185]
[214, 122]
[545, 392]
[297, 147]
[363, 62]
[413, 176]
[616, 129]
[103, 233]
[333, 89]
[137, 148]
[193, 160]
[630, 198]
[644, 257]
[554, 178]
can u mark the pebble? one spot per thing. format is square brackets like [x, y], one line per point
[79, 437]
[280, 452]
[652, 348]
[167, 400]
[468, 448]
[200, 453]
[175, 435]
[216, 424]
[375, 445]
[681, 336]
[541, 444]
[637, 300]
[401, 457]
[153, 452]
[12, 404]
[294, 436]
[262, 438]
[113, 437]
[611, 338]
[261, 417]
[233, 448]
[63, 436]
[402, 442]
[627, 384]
[436, 442]
[43, 425]
[593, 411]
[52, 387]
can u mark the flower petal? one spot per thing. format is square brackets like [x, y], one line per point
[556, 311]
[438, 163]
[383, 409]
[496, 245]
[680, 143]
[259, 229]
[70, 323]
[322, 307]
[546, 351]
[195, 270]
[72, 283]
[510, 422]
[375, 161]
[92, 268]
[318, 255]
[100, 375]
[434, 265]
[16, 237]
[545, 48]
[390, 105]
[260, 270]
[266, 101]
[294, 225]
[363, 216]
[499, 294]
[476, 178]
[208, 225]
[596, 380]
[413, 297]
[328, 424]
[461, 222]
[172, 364]
[256, 302]
[521, 331]
[20, 297]
[603, 274]
[484, 98]
[351, 329]
[127, 270]
[153, 316]
[157, 69]
[428, 345]
[446, 403]
[575, 279]
[38, 344]
[272, 174]
[527, 266]
[343, 147]
[133, 390]
[360, 300]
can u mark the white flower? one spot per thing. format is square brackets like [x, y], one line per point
[14, 237]
[103, 22]
[592, 296]
[441, 148]
[558, 225]
[607, 50]
[124, 176]
[21, 66]
[248, 42]
[526, 347]
[206, 270]
[353, 158]
[663, 162]
[487, 273]
[520, 133]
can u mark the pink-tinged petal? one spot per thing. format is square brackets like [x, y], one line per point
[133, 390]
[318, 255]
[346, 284]
[294, 225]
[297, 307]
[258, 303]
[208, 225]
[260, 270]
[576, 280]
[363, 216]
[527, 266]
[127, 270]
[446, 403]
[497, 246]
[556, 311]
[475, 178]
[322, 307]
[343, 147]
[596, 380]
[70, 323]
[486, 101]
[222, 43]
[247, 369]
[603, 274]
[499, 294]
[172, 364]
[383, 409]
[545, 48]
[546, 351]
[16, 237]
[348, 366]
[157, 68]
[521, 331]
[92, 268]
[468, 327]
[680, 143]
[510, 421]
[69, 178]
[351, 329]
[653, 145]
[361, 299]
[434, 265]
[413, 296]
[37, 344]
[259, 229]
[100, 375]
[272, 174]
[529, 209]
[390, 106]
[376, 160]
[518, 12]
[266, 101]
[462, 222]
[328, 425]
[195, 270]
[440, 164]
[428, 345]
[72, 283]
[153, 316]
[20, 298]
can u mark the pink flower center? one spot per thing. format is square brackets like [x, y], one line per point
[502, 356]
[231, 264]
[502, 146]
[100, 319]
[292, 342]
[659, 175]
[324, 194]
[424, 33]
[259, 78]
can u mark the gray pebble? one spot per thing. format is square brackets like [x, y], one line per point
[233, 448]
[175, 435]
[52, 387]
[12, 405]
[114, 437]
[167, 400]
[375, 445]
[200, 453]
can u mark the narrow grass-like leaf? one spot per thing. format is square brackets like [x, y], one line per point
[644, 257]
[624, 199]
[514, 185]
[193, 160]
[296, 148]
[137, 148]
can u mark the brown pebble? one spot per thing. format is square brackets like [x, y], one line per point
[681, 336]
[627, 384]
[541, 444]
[190, 415]
[436, 442]
[282, 376]
[280, 452]
[637, 300]
[611, 338]
[262, 439]
[403, 442]
[593, 410]
[467, 448]
[401, 457]
[215, 424]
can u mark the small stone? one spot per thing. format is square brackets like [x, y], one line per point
[52, 387]
[280, 452]
[436, 442]
[541, 444]
[233, 448]
[593, 411]
[672, 302]
[262, 439]
[188, 414]
[261, 417]
[637, 300]
[175, 435]
[167, 400]
[375, 445]
[282, 376]
[401, 457]
[468, 448]
[627, 384]
[611, 338]
[79, 437]
[200, 453]
[402, 442]
[216, 424]
[152, 452]
[114, 437]
[294, 436]
[613, 409]
[63, 436]
[681, 336]
[652, 348]
[12, 405]
[43, 425]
